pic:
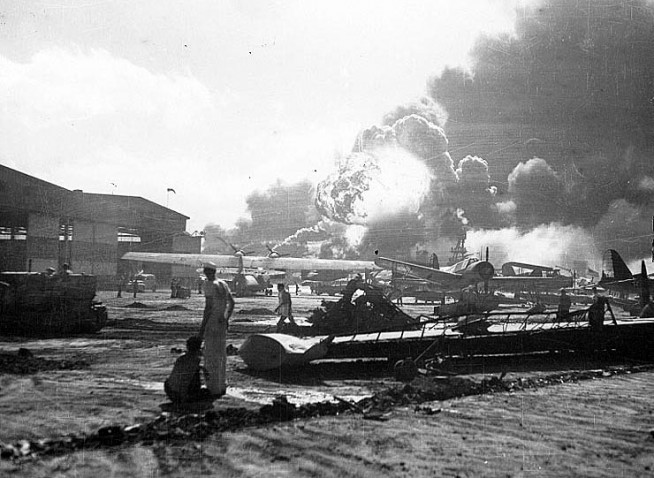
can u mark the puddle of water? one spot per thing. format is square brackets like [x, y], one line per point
[253, 395]
[303, 321]
[153, 386]
[297, 397]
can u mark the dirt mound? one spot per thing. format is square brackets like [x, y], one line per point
[24, 363]
[256, 311]
[175, 307]
[426, 389]
[137, 305]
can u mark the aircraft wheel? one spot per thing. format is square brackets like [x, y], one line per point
[405, 370]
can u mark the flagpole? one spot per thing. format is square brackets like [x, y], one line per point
[168, 191]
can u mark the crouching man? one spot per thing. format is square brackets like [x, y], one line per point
[184, 384]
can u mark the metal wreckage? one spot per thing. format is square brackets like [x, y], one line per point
[44, 305]
[364, 323]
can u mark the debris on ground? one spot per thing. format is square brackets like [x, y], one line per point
[231, 350]
[35, 304]
[169, 426]
[405, 370]
[281, 409]
[24, 353]
[198, 426]
[23, 362]
[363, 308]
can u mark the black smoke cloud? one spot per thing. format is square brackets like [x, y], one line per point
[275, 214]
[552, 125]
[424, 107]
[533, 185]
[627, 228]
[563, 112]
[474, 195]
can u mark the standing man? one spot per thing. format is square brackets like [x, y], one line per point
[564, 306]
[218, 308]
[120, 286]
[284, 308]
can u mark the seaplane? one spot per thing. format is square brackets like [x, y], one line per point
[246, 267]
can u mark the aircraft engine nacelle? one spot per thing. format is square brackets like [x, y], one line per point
[251, 282]
[482, 271]
[244, 284]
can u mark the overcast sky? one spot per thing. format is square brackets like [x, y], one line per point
[213, 98]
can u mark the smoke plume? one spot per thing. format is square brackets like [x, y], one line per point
[276, 213]
[548, 244]
[563, 110]
[548, 153]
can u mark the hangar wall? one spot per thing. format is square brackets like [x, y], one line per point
[94, 248]
[44, 225]
[42, 241]
[188, 244]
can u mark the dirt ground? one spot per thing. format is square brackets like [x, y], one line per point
[597, 426]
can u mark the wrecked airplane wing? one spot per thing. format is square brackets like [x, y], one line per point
[271, 351]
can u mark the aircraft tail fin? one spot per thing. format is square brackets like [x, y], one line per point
[614, 268]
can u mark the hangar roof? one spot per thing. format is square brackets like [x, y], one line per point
[21, 193]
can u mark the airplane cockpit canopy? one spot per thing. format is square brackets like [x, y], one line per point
[464, 264]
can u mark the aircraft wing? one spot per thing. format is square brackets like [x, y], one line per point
[532, 283]
[251, 262]
[472, 272]
[626, 285]
[180, 259]
[308, 264]
[524, 265]
[416, 271]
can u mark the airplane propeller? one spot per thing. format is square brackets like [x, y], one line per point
[273, 253]
[237, 251]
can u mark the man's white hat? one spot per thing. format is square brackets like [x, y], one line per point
[209, 265]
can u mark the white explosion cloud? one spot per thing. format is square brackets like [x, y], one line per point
[354, 234]
[370, 186]
[548, 245]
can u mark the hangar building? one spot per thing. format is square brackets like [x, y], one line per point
[44, 225]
